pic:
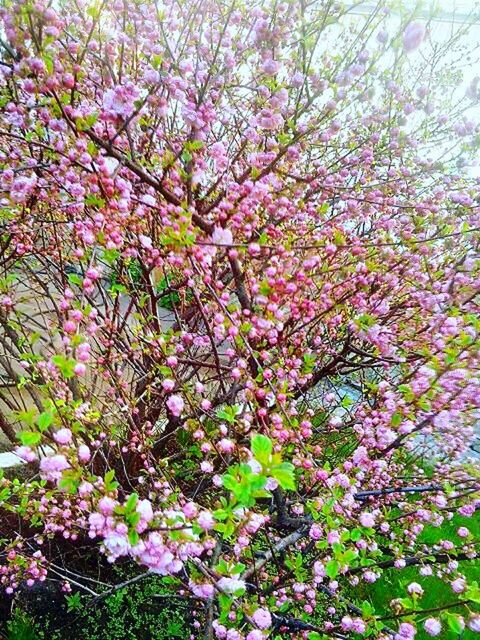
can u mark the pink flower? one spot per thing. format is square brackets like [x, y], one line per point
[367, 520]
[83, 352]
[432, 626]
[205, 520]
[222, 236]
[226, 445]
[271, 484]
[370, 576]
[406, 631]
[203, 590]
[106, 506]
[358, 626]
[262, 618]
[360, 455]
[220, 630]
[255, 634]
[346, 623]
[459, 585]
[414, 587]
[413, 36]
[116, 545]
[316, 532]
[463, 532]
[255, 466]
[168, 385]
[120, 100]
[190, 510]
[85, 489]
[84, 453]
[70, 326]
[474, 624]
[22, 188]
[144, 508]
[319, 570]
[68, 80]
[63, 436]
[333, 537]
[270, 67]
[151, 76]
[51, 467]
[79, 369]
[92, 274]
[145, 241]
[25, 453]
[256, 521]
[176, 405]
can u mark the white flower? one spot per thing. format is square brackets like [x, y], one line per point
[230, 585]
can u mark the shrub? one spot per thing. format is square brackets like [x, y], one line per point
[239, 308]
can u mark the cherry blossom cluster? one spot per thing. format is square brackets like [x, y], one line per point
[239, 307]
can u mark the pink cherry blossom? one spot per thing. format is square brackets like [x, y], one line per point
[222, 236]
[432, 626]
[262, 618]
[176, 405]
[63, 436]
[51, 467]
[413, 36]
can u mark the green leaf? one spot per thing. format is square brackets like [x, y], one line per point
[238, 568]
[45, 419]
[194, 145]
[29, 438]
[331, 569]
[228, 413]
[48, 60]
[349, 556]
[262, 448]
[118, 288]
[65, 365]
[284, 473]
[69, 482]
[263, 239]
[355, 535]
[133, 537]
[74, 278]
[27, 416]
[109, 482]
[455, 623]
[367, 609]
[229, 482]
[396, 419]
[74, 602]
[131, 503]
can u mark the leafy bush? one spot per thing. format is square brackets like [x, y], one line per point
[239, 315]
[144, 611]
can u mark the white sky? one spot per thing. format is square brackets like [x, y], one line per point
[450, 15]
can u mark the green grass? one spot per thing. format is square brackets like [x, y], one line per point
[393, 583]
